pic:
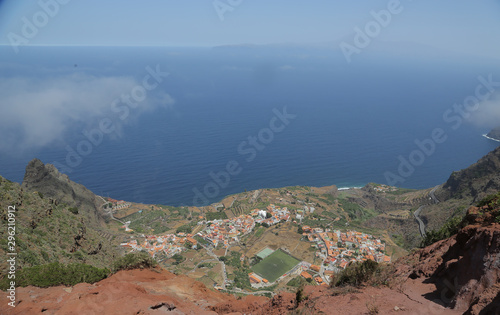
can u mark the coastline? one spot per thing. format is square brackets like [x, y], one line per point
[486, 136]
[347, 188]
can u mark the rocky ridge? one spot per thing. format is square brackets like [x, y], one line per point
[46, 179]
[494, 134]
[475, 182]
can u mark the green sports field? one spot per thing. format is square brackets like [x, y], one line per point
[275, 265]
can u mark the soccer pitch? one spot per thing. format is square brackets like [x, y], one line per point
[275, 265]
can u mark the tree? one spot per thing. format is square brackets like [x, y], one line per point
[300, 230]
[268, 215]
[178, 259]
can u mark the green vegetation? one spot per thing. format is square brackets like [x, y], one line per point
[491, 201]
[299, 296]
[76, 233]
[186, 228]
[275, 265]
[401, 191]
[206, 265]
[451, 227]
[134, 261]
[55, 273]
[145, 221]
[296, 282]
[259, 231]
[216, 216]
[232, 260]
[73, 210]
[354, 210]
[178, 259]
[399, 240]
[241, 279]
[201, 240]
[355, 274]
[240, 271]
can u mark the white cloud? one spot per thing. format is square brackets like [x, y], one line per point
[36, 112]
[488, 113]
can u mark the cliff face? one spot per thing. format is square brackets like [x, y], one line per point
[466, 267]
[56, 220]
[47, 180]
[475, 182]
[495, 133]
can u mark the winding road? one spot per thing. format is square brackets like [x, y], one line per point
[421, 225]
[433, 196]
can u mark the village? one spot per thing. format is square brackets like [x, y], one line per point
[334, 248]
[337, 249]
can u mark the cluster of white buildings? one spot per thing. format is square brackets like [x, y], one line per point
[228, 230]
[272, 215]
[338, 249]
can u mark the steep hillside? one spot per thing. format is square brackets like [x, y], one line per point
[475, 182]
[55, 220]
[466, 266]
[47, 180]
[494, 134]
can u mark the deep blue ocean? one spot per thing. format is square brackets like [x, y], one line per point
[351, 121]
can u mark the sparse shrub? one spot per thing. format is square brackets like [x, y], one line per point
[299, 296]
[355, 274]
[178, 259]
[372, 308]
[73, 210]
[488, 200]
[45, 255]
[186, 228]
[55, 273]
[451, 227]
[138, 260]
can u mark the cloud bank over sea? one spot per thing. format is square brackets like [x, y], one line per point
[43, 110]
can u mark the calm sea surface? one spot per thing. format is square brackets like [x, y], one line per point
[347, 123]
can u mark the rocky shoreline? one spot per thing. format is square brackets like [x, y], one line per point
[494, 134]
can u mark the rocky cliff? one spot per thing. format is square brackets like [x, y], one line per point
[475, 182]
[465, 267]
[494, 134]
[55, 220]
[46, 179]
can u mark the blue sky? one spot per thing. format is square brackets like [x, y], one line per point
[458, 25]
